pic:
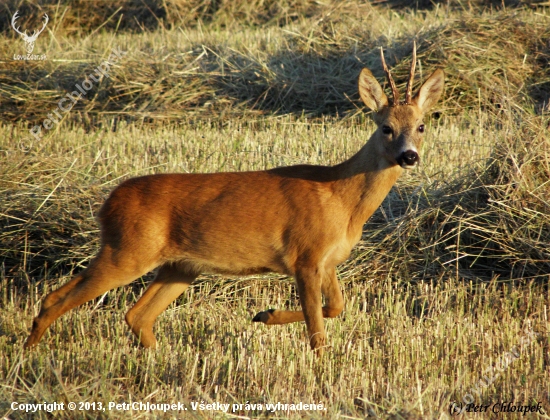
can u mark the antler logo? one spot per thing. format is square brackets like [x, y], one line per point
[29, 40]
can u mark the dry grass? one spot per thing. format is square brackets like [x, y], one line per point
[493, 60]
[450, 272]
[77, 17]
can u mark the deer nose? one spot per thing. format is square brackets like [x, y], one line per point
[408, 159]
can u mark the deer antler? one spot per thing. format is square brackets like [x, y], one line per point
[394, 91]
[408, 94]
[13, 19]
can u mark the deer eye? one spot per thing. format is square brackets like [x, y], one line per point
[386, 129]
[421, 128]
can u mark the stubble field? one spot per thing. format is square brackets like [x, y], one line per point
[446, 295]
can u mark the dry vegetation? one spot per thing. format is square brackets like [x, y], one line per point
[451, 270]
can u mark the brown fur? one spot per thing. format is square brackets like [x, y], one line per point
[300, 220]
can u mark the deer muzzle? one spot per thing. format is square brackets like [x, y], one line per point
[408, 159]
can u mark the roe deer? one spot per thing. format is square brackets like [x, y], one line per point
[301, 221]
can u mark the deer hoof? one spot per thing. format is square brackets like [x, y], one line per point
[264, 316]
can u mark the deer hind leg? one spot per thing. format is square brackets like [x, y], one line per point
[310, 291]
[102, 275]
[170, 282]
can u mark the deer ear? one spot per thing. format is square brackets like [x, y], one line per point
[371, 92]
[431, 91]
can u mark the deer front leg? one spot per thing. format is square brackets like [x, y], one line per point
[334, 302]
[309, 281]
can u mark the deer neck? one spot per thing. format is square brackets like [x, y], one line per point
[364, 181]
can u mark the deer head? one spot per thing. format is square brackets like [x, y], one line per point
[29, 40]
[400, 126]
